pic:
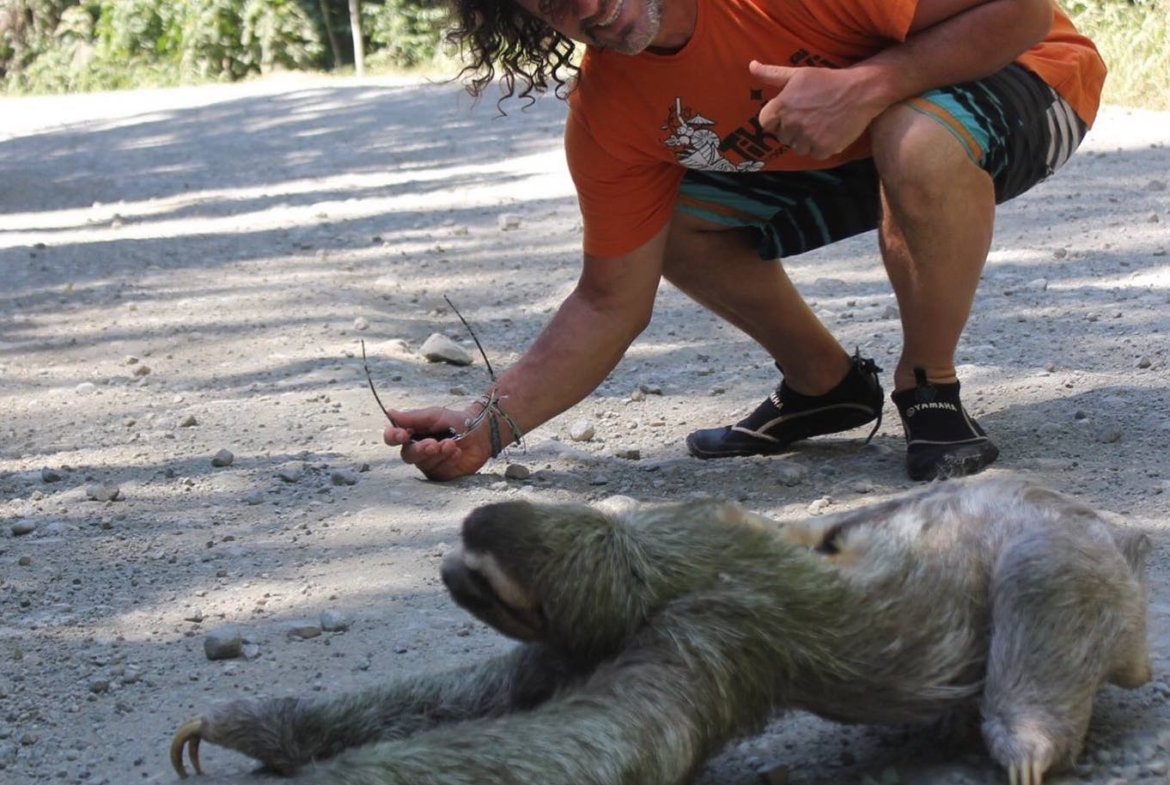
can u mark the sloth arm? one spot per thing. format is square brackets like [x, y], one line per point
[286, 733]
[691, 681]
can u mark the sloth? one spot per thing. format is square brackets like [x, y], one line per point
[652, 637]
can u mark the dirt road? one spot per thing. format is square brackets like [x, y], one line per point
[191, 271]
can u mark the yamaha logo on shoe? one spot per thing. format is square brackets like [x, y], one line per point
[912, 410]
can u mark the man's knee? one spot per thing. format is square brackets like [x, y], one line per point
[922, 165]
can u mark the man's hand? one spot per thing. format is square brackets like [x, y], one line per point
[817, 112]
[437, 457]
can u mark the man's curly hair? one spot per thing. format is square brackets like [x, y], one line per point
[530, 56]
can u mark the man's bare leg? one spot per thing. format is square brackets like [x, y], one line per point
[938, 216]
[720, 269]
[824, 390]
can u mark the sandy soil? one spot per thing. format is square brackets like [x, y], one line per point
[191, 271]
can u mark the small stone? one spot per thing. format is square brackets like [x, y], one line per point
[890, 312]
[517, 471]
[361, 323]
[254, 497]
[21, 528]
[440, 348]
[103, 492]
[99, 686]
[819, 505]
[250, 651]
[1144, 363]
[189, 421]
[1108, 434]
[582, 431]
[223, 458]
[334, 621]
[599, 479]
[1156, 185]
[629, 454]
[291, 472]
[85, 388]
[790, 474]
[343, 477]
[1037, 285]
[302, 629]
[195, 616]
[223, 643]
[51, 475]
[24, 561]
[142, 370]
[1059, 253]
[508, 221]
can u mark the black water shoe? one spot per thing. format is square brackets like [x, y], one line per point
[942, 440]
[787, 416]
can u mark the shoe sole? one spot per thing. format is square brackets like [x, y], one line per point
[955, 465]
[765, 448]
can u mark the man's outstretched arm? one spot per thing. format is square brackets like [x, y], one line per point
[586, 338]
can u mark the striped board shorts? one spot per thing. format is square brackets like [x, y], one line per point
[1012, 124]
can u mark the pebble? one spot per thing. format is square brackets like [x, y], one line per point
[302, 629]
[791, 474]
[254, 497]
[142, 370]
[819, 505]
[223, 643]
[440, 348]
[51, 475]
[508, 221]
[250, 651]
[890, 312]
[85, 388]
[343, 477]
[517, 471]
[103, 492]
[361, 323]
[189, 421]
[582, 431]
[1107, 434]
[24, 527]
[334, 621]
[629, 454]
[291, 473]
[1037, 285]
[223, 458]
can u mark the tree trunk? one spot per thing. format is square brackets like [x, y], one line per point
[355, 24]
[332, 36]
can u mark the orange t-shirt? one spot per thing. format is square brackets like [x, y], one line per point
[636, 123]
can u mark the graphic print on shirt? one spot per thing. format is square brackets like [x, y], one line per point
[696, 146]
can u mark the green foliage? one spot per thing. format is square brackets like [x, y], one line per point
[122, 43]
[1133, 37]
[403, 33]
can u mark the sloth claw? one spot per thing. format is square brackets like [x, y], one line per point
[1026, 772]
[189, 735]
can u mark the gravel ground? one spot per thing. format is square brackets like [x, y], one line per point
[188, 441]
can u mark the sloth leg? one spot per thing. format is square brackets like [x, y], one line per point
[286, 733]
[1055, 618]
